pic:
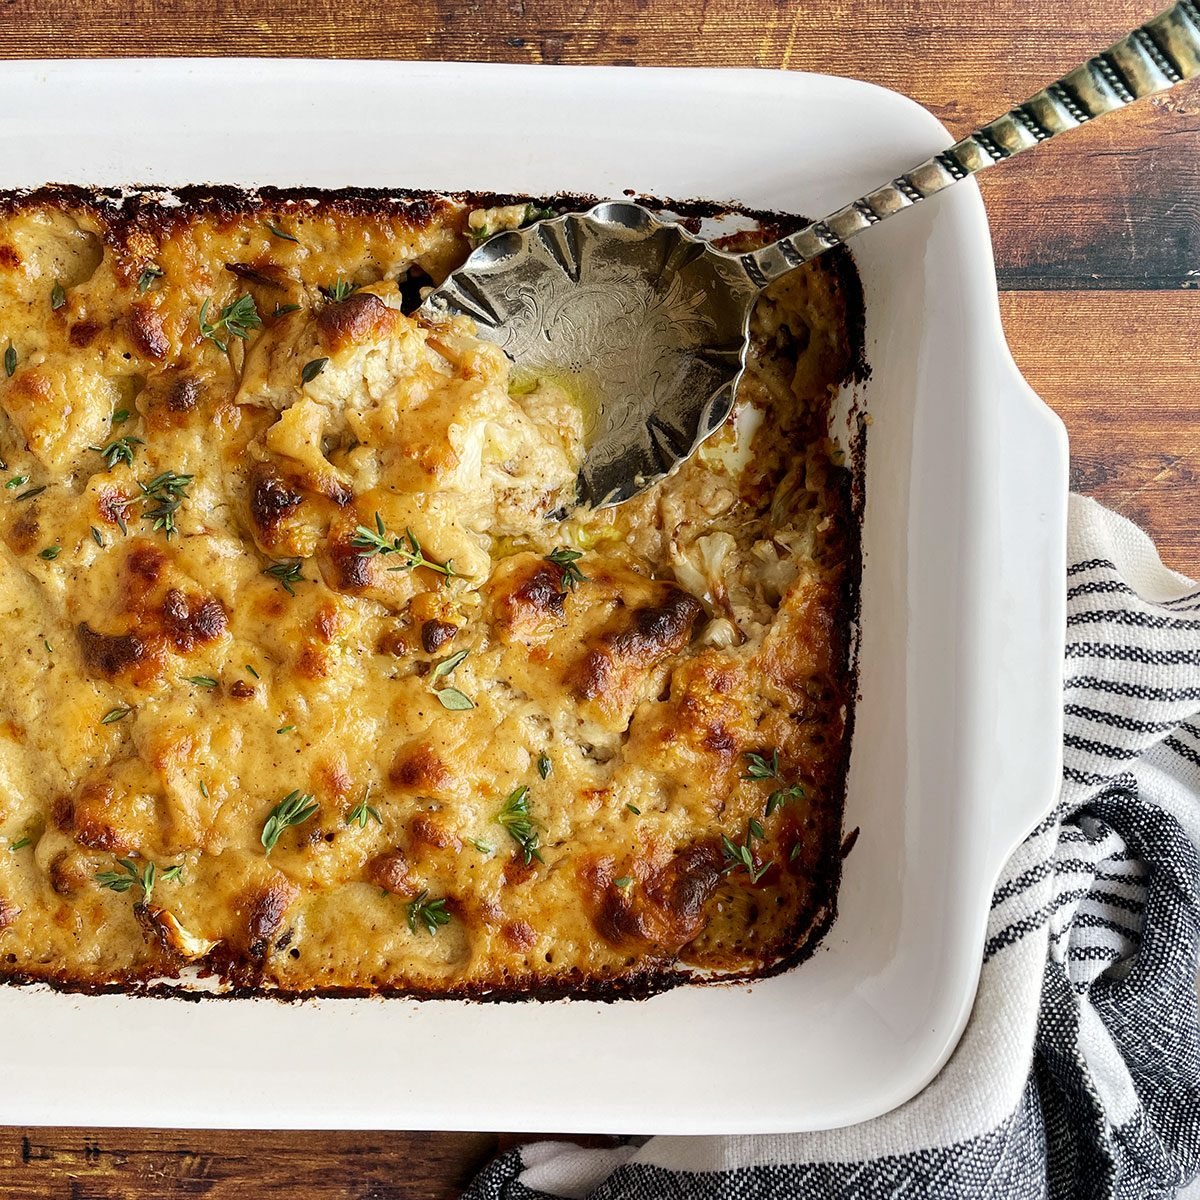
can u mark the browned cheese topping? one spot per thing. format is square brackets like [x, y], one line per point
[302, 686]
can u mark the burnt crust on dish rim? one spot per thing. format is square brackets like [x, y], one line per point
[798, 942]
[141, 202]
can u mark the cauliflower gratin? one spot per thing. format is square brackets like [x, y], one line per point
[307, 683]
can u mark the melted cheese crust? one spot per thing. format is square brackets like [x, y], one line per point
[161, 693]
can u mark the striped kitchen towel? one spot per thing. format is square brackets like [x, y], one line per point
[1079, 1073]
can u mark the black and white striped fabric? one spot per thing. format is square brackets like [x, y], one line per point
[1079, 1073]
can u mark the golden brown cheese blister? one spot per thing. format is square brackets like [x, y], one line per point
[307, 683]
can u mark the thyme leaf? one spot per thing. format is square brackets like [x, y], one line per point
[430, 913]
[369, 542]
[759, 767]
[118, 450]
[312, 369]
[521, 827]
[236, 319]
[339, 291]
[742, 855]
[781, 796]
[286, 573]
[131, 875]
[448, 664]
[294, 809]
[161, 498]
[147, 278]
[566, 559]
[362, 812]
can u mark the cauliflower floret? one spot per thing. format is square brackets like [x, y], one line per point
[369, 396]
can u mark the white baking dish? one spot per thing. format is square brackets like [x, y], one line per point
[956, 753]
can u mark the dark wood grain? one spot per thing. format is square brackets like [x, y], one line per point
[1098, 249]
[1116, 205]
[120, 1164]
[159, 1164]
[1122, 370]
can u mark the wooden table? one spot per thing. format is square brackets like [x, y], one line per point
[1098, 251]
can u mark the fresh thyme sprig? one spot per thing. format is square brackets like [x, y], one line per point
[781, 796]
[147, 278]
[514, 816]
[286, 573]
[131, 876]
[236, 319]
[566, 559]
[339, 291]
[760, 768]
[161, 498]
[742, 855]
[362, 812]
[118, 450]
[294, 809]
[430, 913]
[369, 542]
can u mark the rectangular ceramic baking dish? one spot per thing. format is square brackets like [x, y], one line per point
[956, 751]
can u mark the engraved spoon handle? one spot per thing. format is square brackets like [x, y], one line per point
[1154, 57]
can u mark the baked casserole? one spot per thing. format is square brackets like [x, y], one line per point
[314, 679]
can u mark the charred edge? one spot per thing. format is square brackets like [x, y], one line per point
[573, 985]
[140, 205]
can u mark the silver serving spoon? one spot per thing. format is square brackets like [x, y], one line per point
[651, 323]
